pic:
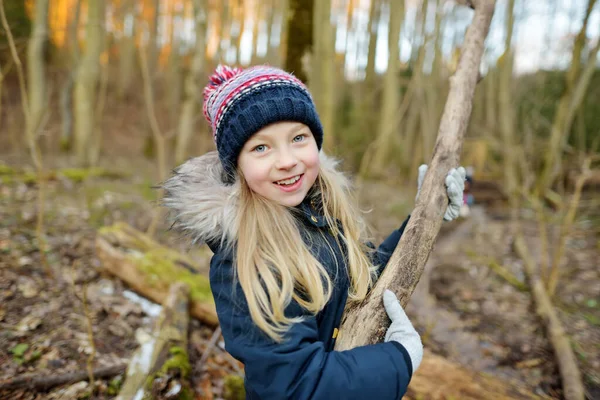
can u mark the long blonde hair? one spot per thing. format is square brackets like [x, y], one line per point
[274, 265]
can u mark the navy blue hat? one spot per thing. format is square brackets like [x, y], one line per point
[240, 102]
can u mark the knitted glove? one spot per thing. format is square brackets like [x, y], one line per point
[401, 330]
[455, 186]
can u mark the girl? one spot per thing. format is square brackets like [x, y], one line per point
[287, 243]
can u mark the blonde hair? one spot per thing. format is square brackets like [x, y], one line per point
[274, 265]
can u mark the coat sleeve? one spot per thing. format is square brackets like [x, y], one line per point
[383, 253]
[300, 367]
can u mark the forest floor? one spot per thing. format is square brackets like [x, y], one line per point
[473, 317]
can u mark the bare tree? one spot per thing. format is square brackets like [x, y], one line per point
[376, 157]
[88, 76]
[299, 37]
[192, 87]
[321, 77]
[577, 82]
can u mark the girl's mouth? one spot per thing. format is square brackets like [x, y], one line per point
[290, 184]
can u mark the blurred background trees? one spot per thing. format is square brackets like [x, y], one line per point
[377, 69]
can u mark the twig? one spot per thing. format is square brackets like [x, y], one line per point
[45, 382]
[89, 325]
[209, 347]
[565, 227]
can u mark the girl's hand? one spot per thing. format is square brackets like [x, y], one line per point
[455, 186]
[401, 330]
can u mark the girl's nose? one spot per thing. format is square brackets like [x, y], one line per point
[286, 160]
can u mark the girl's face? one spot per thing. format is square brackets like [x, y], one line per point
[281, 162]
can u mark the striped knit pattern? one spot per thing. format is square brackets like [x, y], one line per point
[239, 102]
[238, 83]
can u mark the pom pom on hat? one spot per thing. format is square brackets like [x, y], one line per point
[222, 74]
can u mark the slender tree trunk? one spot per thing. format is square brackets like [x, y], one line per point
[127, 50]
[36, 73]
[567, 107]
[193, 90]
[175, 69]
[365, 323]
[391, 92]
[88, 76]
[66, 96]
[506, 111]
[372, 29]
[322, 76]
[299, 34]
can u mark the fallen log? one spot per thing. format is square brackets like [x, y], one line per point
[150, 268]
[565, 358]
[161, 365]
[438, 378]
[45, 382]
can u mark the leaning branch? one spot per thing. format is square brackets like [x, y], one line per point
[368, 321]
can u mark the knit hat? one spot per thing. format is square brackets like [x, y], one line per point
[239, 102]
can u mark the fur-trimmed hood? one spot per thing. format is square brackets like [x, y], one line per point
[203, 206]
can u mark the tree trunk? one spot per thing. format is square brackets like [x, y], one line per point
[86, 83]
[322, 78]
[127, 50]
[162, 363]
[36, 75]
[192, 88]
[506, 111]
[366, 323]
[391, 88]
[567, 106]
[299, 42]
[66, 95]
[372, 29]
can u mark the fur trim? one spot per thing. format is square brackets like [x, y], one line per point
[204, 207]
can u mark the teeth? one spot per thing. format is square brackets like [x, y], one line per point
[289, 181]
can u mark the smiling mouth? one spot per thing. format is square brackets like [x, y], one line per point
[289, 181]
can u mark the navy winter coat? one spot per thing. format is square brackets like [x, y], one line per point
[304, 365]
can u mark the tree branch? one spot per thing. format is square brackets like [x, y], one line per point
[368, 321]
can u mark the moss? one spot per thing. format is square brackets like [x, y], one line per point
[163, 266]
[81, 174]
[178, 361]
[234, 388]
[5, 170]
[160, 265]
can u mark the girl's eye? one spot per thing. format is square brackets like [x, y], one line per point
[298, 138]
[260, 148]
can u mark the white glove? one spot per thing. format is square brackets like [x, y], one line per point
[455, 186]
[401, 330]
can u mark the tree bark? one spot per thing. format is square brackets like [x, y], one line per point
[192, 87]
[366, 323]
[88, 76]
[162, 362]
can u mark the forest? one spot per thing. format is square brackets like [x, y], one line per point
[100, 100]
